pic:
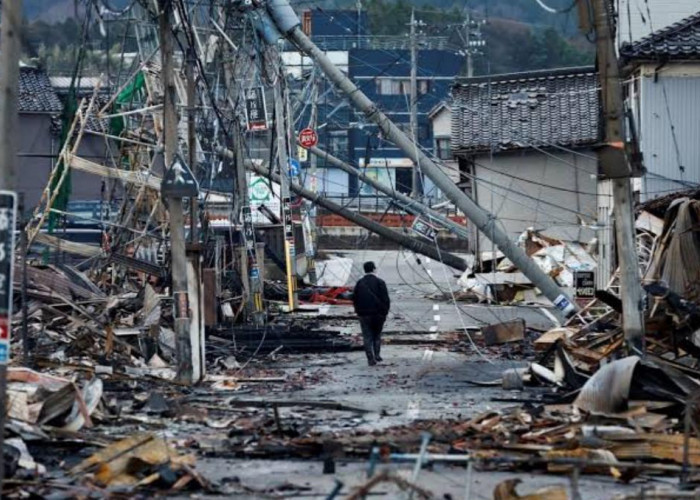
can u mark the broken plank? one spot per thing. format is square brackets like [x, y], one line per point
[132, 177]
[325, 405]
[547, 339]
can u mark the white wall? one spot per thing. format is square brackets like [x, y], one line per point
[295, 63]
[530, 202]
[442, 123]
[332, 181]
[442, 128]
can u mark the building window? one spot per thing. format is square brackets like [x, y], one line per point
[338, 144]
[442, 148]
[423, 132]
[401, 86]
[306, 22]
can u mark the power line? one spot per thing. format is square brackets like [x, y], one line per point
[552, 10]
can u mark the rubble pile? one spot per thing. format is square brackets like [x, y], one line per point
[506, 284]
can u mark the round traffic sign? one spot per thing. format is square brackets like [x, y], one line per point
[308, 138]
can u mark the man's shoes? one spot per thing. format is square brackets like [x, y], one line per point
[379, 360]
[371, 363]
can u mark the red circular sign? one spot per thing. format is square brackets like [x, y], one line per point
[308, 138]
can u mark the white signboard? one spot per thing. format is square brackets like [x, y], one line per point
[259, 193]
[381, 175]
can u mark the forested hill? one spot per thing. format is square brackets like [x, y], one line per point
[520, 35]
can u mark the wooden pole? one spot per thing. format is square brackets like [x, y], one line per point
[181, 306]
[11, 12]
[620, 160]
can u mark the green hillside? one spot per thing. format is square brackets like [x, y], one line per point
[520, 35]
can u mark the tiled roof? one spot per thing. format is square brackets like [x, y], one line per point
[678, 41]
[521, 110]
[36, 95]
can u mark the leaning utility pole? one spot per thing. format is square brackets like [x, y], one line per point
[620, 160]
[416, 178]
[407, 203]
[418, 245]
[288, 24]
[415, 244]
[9, 77]
[181, 306]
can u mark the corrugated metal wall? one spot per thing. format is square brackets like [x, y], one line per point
[670, 106]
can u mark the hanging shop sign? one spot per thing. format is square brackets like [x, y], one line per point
[255, 109]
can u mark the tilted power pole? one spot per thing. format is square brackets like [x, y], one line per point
[406, 202]
[288, 24]
[417, 245]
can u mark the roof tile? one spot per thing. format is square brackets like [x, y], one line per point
[521, 110]
[680, 41]
[36, 95]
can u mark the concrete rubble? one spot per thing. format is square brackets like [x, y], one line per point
[236, 369]
[101, 413]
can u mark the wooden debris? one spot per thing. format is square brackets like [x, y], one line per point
[501, 333]
[506, 491]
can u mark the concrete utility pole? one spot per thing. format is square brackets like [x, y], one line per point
[283, 163]
[181, 306]
[470, 55]
[408, 203]
[416, 188]
[359, 23]
[9, 96]
[415, 244]
[288, 24]
[411, 243]
[472, 40]
[308, 217]
[620, 160]
[191, 136]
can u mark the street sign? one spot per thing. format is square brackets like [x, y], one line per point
[8, 216]
[424, 229]
[294, 167]
[255, 109]
[302, 154]
[248, 228]
[308, 138]
[179, 182]
[584, 282]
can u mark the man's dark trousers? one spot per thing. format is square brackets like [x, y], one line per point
[372, 335]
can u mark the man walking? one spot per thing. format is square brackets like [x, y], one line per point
[371, 300]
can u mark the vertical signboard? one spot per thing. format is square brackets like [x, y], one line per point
[253, 265]
[255, 109]
[8, 216]
[290, 250]
[584, 282]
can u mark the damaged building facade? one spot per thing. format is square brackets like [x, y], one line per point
[525, 142]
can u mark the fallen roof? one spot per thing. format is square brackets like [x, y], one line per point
[679, 41]
[522, 110]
